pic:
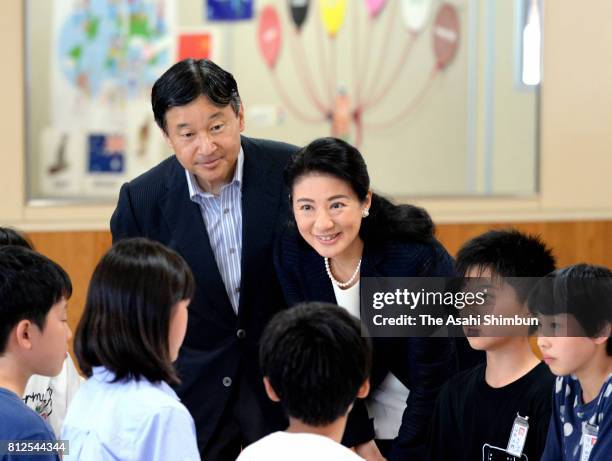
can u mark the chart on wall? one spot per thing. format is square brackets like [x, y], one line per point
[105, 56]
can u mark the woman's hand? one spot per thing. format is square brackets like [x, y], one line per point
[369, 451]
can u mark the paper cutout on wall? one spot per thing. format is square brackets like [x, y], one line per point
[375, 7]
[446, 34]
[269, 35]
[229, 10]
[106, 153]
[299, 10]
[194, 45]
[332, 15]
[415, 13]
[344, 108]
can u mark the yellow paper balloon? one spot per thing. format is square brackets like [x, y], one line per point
[332, 14]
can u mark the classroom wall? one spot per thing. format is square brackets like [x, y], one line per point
[575, 141]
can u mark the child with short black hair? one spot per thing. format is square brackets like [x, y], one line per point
[315, 362]
[133, 325]
[49, 396]
[34, 336]
[498, 410]
[574, 306]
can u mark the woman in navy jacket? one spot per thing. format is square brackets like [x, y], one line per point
[342, 232]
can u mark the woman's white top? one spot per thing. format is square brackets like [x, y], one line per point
[386, 403]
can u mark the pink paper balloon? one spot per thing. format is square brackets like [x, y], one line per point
[446, 35]
[269, 35]
[375, 7]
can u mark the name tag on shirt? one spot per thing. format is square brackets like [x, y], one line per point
[518, 436]
[589, 437]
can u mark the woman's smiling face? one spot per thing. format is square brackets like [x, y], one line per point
[328, 213]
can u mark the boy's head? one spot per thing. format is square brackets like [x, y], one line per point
[315, 362]
[510, 263]
[33, 323]
[10, 236]
[574, 306]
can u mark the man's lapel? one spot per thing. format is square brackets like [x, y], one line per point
[260, 204]
[190, 239]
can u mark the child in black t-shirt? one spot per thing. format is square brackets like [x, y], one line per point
[499, 410]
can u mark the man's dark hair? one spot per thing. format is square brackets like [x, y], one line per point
[30, 285]
[125, 325]
[581, 290]
[186, 80]
[316, 360]
[508, 254]
[10, 236]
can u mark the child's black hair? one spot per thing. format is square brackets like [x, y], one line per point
[508, 254]
[30, 285]
[583, 291]
[125, 325]
[10, 236]
[316, 360]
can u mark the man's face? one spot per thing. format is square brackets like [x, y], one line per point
[206, 140]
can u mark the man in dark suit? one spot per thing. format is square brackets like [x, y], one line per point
[219, 201]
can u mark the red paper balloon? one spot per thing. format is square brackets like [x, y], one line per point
[446, 35]
[269, 35]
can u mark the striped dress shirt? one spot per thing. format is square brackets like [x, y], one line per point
[222, 217]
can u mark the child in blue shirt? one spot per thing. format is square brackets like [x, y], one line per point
[49, 396]
[34, 336]
[133, 325]
[574, 306]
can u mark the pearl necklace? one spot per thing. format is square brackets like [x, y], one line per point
[341, 284]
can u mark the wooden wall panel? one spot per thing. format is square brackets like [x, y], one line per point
[572, 242]
[78, 253]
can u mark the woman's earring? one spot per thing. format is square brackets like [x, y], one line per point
[365, 213]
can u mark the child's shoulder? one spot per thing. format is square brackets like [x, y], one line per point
[296, 446]
[19, 422]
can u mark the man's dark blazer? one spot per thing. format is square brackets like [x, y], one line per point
[421, 364]
[220, 347]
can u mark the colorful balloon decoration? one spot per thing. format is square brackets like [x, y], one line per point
[446, 34]
[269, 35]
[374, 7]
[415, 14]
[299, 10]
[332, 14]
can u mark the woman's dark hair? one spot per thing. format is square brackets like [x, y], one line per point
[188, 79]
[337, 158]
[581, 290]
[316, 359]
[125, 325]
[10, 236]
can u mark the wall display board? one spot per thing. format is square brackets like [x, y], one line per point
[427, 89]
